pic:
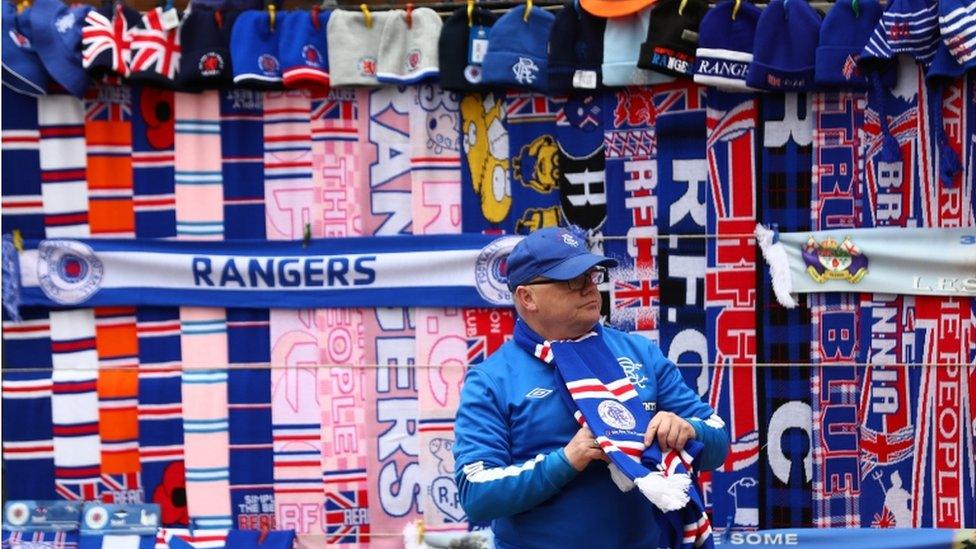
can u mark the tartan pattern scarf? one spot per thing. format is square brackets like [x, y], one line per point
[605, 401]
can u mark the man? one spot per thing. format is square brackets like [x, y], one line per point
[521, 459]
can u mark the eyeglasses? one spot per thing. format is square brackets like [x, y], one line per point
[596, 276]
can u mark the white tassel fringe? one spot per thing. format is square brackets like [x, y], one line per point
[668, 493]
[779, 266]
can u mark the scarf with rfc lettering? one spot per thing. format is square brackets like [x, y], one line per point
[605, 401]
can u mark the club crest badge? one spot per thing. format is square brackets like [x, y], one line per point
[211, 64]
[616, 415]
[830, 260]
[268, 64]
[491, 273]
[68, 271]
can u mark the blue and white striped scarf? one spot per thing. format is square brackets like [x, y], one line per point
[605, 401]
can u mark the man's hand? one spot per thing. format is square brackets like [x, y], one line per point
[582, 449]
[670, 430]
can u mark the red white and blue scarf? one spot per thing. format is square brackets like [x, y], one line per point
[606, 402]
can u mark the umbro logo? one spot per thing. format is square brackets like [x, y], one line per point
[538, 392]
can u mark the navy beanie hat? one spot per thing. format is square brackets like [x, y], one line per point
[254, 48]
[453, 49]
[303, 48]
[842, 37]
[725, 45]
[57, 39]
[672, 37]
[205, 38]
[518, 50]
[785, 48]
[23, 70]
[105, 40]
[575, 50]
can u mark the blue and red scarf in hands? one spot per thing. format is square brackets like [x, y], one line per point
[605, 401]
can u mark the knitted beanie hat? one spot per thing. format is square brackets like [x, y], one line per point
[956, 23]
[22, 68]
[621, 49]
[575, 50]
[302, 48]
[909, 27]
[205, 62]
[726, 37]
[408, 47]
[254, 47]
[458, 71]
[518, 50]
[845, 30]
[57, 38]
[156, 48]
[106, 40]
[785, 48]
[672, 36]
[354, 46]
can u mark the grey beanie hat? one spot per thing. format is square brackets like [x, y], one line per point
[408, 53]
[354, 47]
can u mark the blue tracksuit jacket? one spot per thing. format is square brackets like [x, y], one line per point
[510, 466]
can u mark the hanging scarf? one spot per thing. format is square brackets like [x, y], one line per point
[606, 402]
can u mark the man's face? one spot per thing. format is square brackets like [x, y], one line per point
[576, 310]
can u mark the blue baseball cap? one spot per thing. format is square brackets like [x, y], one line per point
[23, 70]
[554, 253]
[57, 40]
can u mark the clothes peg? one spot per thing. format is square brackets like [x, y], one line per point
[316, 9]
[528, 10]
[219, 18]
[270, 7]
[735, 8]
[306, 235]
[681, 7]
[409, 15]
[18, 236]
[470, 13]
[856, 6]
[369, 16]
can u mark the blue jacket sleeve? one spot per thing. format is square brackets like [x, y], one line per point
[491, 484]
[674, 395]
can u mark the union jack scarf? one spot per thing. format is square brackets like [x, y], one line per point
[608, 404]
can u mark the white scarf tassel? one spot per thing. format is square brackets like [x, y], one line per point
[779, 266]
[668, 493]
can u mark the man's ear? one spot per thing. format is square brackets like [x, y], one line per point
[525, 298]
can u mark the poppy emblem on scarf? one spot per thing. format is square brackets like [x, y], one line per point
[170, 495]
[268, 64]
[68, 271]
[616, 415]
[211, 64]
[829, 260]
[156, 106]
[311, 55]
[491, 270]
